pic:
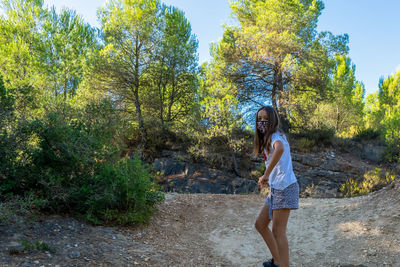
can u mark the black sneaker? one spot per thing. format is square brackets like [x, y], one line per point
[270, 263]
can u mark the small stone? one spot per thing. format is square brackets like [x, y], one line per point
[146, 259]
[74, 254]
[16, 249]
[36, 262]
[136, 263]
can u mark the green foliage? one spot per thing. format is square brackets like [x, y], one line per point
[373, 180]
[219, 136]
[20, 22]
[13, 206]
[71, 164]
[121, 193]
[258, 172]
[42, 50]
[211, 150]
[66, 45]
[340, 107]
[148, 64]
[383, 114]
[276, 53]
[173, 74]
[367, 135]
[317, 137]
[305, 144]
[38, 245]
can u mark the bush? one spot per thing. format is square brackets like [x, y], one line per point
[373, 180]
[121, 193]
[316, 137]
[392, 152]
[258, 172]
[305, 144]
[367, 135]
[72, 163]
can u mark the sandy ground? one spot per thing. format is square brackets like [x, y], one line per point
[218, 230]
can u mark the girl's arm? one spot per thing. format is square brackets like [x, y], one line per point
[276, 156]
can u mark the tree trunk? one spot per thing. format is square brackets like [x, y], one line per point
[281, 101]
[140, 117]
[337, 118]
[275, 89]
[161, 103]
[65, 90]
[136, 96]
[235, 164]
[171, 99]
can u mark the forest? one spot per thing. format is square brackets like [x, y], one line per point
[84, 110]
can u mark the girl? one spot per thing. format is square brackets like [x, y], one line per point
[284, 189]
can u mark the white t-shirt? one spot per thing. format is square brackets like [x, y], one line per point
[282, 175]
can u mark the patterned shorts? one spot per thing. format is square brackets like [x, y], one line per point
[287, 198]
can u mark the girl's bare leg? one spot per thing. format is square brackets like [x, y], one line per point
[261, 225]
[280, 219]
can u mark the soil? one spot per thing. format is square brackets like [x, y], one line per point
[218, 230]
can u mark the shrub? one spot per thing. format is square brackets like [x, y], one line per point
[305, 144]
[392, 152]
[320, 137]
[367, 135]
[72, 165]
[373, 180]
[258, 172]
[121, 193]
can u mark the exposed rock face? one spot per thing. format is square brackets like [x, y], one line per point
[372, 153]
[319, 174]
[179, 176]
[322, 175]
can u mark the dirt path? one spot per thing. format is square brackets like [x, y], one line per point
[218, 230]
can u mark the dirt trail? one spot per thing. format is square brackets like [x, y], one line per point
[218, 230]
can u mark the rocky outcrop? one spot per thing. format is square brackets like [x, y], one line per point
[180, 176]
[319, 174]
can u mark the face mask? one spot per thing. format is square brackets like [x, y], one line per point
[262, 126]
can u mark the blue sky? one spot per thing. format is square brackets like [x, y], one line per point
[373, 27]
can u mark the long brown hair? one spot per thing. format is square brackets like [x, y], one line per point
[263, 140]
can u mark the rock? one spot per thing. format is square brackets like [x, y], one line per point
[372, 153]
[322, 172]
[331, 165]
[304, 182]
[15, 248]
[240, 186]
[74, 254]
[195, 178]
[169, 167]
[307, 160]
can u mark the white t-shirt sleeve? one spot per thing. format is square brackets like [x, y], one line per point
[276, 137]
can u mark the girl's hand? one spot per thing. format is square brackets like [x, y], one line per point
[262, 181]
